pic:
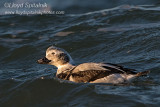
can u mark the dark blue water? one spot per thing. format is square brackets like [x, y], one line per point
[124, 32]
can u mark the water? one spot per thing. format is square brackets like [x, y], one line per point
[120, 33]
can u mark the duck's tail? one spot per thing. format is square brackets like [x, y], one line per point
[144, 73]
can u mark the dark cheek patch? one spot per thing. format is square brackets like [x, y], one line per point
[63, 57]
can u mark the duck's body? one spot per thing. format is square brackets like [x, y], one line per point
[87, 72]
[98, 73]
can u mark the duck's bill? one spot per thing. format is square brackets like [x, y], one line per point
[43, 61]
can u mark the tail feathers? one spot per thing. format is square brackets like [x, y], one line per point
[144, 73]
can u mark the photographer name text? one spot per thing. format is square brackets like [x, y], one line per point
[25, 5]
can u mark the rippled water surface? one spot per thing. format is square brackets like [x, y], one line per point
[126, 34]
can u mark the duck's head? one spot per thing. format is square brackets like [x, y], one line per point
[56, 56]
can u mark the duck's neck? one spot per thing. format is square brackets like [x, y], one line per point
[64, 68]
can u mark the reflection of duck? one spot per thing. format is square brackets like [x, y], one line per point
[87, 72]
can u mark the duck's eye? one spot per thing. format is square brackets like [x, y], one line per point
[53, 53]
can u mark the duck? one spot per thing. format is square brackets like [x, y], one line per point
[89, 72]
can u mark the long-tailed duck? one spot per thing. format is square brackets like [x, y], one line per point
[87, 72]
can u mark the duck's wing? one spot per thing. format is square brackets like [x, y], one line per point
[120, 67]
[88, 72]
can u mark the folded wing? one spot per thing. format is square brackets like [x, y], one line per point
[88, 72]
